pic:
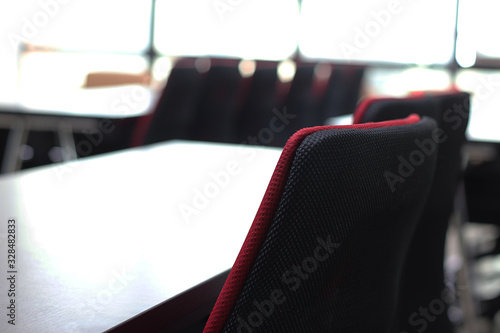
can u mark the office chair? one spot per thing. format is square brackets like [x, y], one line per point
[326, 248]
[257, 110]
[342, 92]
[423, 283]
[175, 112]
[218, 104]
[299, 103]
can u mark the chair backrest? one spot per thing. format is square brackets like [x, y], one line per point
[174, 114]
[299, 103]
[342, 93]
[256, 112]
[218, 104]
[326, 247]
[423, 276]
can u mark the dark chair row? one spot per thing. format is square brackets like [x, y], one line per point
[222, 106]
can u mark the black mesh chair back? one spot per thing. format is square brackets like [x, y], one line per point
[300, 103]
[342, 93]
[256, 113]
[326, 248]
[423, 283]
[218, 105]
[175, 113]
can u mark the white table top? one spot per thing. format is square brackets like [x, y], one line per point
[103, 239]
[108, 102]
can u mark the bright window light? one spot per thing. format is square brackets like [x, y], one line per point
[484, 85]
[112, 26]
[247, 68]
[42, 71]
[257, 29]
[286, 70]
[466, 52]
[400, 31]
[84, 25]
[478, 31]
[400, 82]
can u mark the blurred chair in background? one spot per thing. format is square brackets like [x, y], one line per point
[256, 111]
[423, 275]
[216, 111]
[175, 115]
[342, 93]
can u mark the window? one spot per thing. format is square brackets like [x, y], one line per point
[485, 102]
[50, 47]
[257, 29]
[478, 32]
[400, 31]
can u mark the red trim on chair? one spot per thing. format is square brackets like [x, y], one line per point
[253, 242]
[359, 114]
[360, 111]
[453, 90]
[140, 129]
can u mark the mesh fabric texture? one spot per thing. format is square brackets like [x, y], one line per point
[326, 249]
[423, 276]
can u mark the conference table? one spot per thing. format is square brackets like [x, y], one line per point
[65, 113]
[136, 240]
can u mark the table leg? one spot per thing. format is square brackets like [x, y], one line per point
[67, 141]
[18, 135]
